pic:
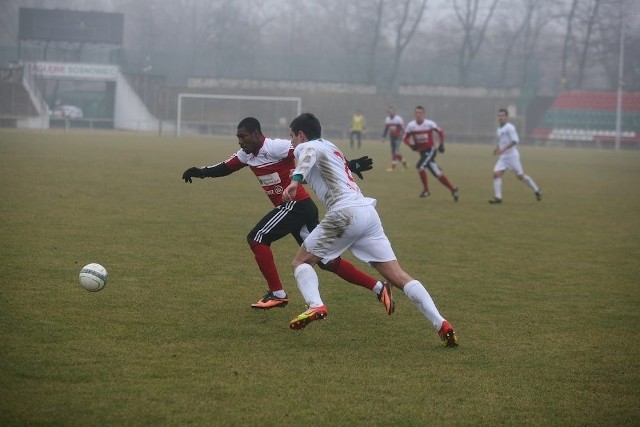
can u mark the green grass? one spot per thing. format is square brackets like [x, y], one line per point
[545, 296]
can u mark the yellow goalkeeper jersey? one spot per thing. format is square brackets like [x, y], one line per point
[358, 123]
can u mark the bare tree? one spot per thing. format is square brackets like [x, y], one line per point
[591, 16]
[376, 28]
[581, 19]
[614, 17]
[530, 23]
[565, 47]
[473, 33]
[407, 19]
[367, 30]
[356, 29]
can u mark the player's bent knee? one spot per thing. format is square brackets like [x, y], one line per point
[329, 266]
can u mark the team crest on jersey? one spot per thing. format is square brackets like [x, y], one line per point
[278, 189]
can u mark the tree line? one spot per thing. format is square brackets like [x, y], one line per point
[534, 45]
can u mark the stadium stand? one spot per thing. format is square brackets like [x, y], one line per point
[589, 117]
[16, 102]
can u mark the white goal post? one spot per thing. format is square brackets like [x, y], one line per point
[206, 112]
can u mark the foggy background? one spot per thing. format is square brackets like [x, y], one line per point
[535, 47]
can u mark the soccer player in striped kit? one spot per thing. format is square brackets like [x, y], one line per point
[419, 136]
[271, 161]
[394, 127]
[509, 158]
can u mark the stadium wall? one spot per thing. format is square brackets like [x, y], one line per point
[466, 114]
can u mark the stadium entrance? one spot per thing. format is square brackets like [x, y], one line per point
[78, 95]
[81, 87]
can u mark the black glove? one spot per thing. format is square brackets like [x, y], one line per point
[360, 165]
[193, 172]
[441, 148]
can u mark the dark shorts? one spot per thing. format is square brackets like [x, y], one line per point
[287, 218]
[428, 161]
[396, 141]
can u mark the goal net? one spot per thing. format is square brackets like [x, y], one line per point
[210, 114]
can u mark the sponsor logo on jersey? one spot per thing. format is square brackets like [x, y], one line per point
[269, 180]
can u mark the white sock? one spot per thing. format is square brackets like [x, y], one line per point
[280, 294]
[377, 288]
[497, 188]
[421, 298]
[530, 183]
[308, 284]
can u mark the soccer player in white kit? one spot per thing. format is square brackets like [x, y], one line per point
[509, 158]
[351, 222]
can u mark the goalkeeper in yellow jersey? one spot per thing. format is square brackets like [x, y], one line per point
[358, 124]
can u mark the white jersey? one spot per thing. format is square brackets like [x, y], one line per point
[507, 134]
[324, 168]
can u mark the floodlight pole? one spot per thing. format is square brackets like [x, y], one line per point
[178, 120]
[620, 83]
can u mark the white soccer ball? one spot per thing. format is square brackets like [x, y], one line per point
[93, 277]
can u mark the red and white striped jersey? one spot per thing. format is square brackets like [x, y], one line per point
[420, 136]
[394, 126]
[272, 165]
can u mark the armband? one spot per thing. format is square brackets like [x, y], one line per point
[297, 178]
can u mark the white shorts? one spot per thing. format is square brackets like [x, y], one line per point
[358, 229]
[511, 163]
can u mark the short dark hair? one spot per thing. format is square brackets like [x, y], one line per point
[308, 124]
[504, 110]
[419, 107]
[251, 124]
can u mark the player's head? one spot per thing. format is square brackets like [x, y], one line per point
[419, 114]
[249, 135]
[503, 115]
[391, 111]
[251, 124]
[305, 127]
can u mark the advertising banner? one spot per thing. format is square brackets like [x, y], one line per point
[61, 70]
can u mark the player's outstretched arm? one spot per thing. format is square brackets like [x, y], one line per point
[360, 165]
[221, 169]
[192, 172]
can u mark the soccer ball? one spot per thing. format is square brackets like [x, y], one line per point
[93, 277]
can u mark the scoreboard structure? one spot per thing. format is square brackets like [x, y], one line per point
[71, 26]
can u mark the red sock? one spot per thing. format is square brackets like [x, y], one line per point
[445, 181]
[264, 258]
[423, 178]
[351, 274]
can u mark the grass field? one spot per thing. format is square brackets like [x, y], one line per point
[545, 295]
